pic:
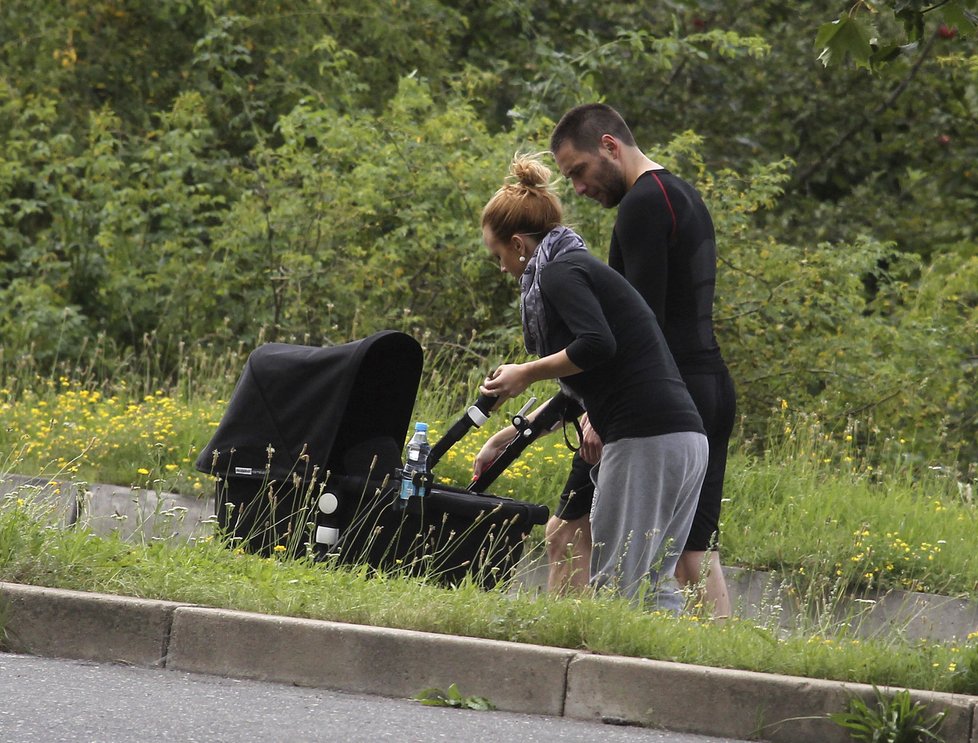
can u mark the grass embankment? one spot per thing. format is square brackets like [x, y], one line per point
[829, 511]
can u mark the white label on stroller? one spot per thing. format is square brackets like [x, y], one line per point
[328, 503]
[242, 470]
[327, 535]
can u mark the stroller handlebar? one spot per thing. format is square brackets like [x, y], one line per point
[549, 418]
[474, 417]
[479, 412]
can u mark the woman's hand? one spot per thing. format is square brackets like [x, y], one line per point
[591, 444]
[489, 452]
[509, 380]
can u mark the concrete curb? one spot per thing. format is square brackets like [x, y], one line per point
[401, 663]
[781, 709]
[372, 660]
[84, 626]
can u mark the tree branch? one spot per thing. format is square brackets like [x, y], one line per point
[802, 178]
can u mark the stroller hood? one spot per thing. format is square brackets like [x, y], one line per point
[338, 406]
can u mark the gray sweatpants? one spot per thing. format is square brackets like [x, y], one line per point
[644, 499]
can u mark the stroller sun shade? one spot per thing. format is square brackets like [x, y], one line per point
[341, 406]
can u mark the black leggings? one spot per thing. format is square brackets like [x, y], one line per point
[716, 400]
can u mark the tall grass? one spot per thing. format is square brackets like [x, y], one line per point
[851, 506]
[207, 572]
[832, 509]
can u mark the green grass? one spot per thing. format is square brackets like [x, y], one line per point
[207, 573]
[827, 509]
[830, 510]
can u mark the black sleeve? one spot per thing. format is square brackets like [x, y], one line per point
[569, 293]
[640, 247]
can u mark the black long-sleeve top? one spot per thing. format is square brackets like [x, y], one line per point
[664, 243]
[630, 384]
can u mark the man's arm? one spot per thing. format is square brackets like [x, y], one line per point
[640, 245]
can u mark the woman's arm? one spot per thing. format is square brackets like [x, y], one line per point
[510, 380]
[497, 442]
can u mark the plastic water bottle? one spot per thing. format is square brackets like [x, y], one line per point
[418, 449]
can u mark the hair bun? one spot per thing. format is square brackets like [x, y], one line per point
[529, 171]
[526, 202]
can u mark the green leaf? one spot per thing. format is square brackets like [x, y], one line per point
[434, 697]
[913, 23]
[883, 54]
[480, 703]
[844, 38]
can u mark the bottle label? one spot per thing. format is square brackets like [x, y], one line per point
[414, 454]
[407, 488]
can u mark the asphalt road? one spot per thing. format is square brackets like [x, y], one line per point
[51, 700]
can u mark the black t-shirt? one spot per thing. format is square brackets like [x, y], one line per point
[630, 384]
[665, 245]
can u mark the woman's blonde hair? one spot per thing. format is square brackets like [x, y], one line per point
[526, 204]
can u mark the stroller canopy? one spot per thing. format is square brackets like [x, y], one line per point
[340, 406]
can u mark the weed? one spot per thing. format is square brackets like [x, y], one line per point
[434, 697]
[892, 719]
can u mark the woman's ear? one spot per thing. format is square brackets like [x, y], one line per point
[519, 245]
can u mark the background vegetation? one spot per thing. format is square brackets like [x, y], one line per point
[202, 172]
[214, 174]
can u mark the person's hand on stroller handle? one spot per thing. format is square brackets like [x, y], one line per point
[489, 452]
[507, 381]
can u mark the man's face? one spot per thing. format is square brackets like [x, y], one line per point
[596, 175]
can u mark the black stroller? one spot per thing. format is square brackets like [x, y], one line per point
[308, 456]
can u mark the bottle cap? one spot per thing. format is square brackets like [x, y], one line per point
[419, 426]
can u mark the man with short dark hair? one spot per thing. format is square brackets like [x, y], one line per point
[664, 244]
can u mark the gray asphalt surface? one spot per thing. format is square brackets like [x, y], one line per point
[51, 700]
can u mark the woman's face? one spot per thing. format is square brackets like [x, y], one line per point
[506, 254]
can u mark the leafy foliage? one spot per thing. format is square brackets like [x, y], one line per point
[895, 719]
[434, 697]
[854, 35]
[198, 171]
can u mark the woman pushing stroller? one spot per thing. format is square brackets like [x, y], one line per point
[594, 333]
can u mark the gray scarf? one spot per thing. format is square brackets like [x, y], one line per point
[558, 241]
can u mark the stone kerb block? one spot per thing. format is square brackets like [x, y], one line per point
[85, 626]
[388, 662]
[60, 499]
[724, 702]
[146, 514]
